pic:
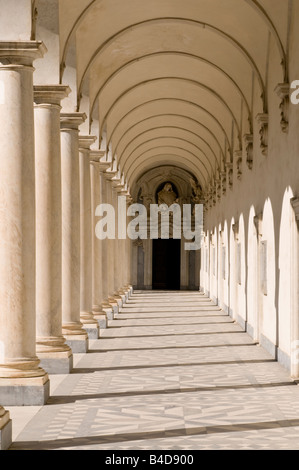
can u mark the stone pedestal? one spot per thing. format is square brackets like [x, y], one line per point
[5, 429]
[56, 357]
[19, 365]
[72, 328]
[90, 324]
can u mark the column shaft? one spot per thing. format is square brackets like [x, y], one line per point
[97, 245]
[20, 373]
[86, 315]
[106, 306]
[56, 357]
[72, 328]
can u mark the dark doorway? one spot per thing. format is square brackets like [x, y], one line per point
[166, 264]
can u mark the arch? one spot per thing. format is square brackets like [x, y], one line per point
[165, 159]
[162, 53]
[180, 117]
[167, 136]
[206, 26]
[178, 100]
[261, 11]
[193, 82]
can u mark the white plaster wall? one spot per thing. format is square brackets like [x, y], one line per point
[252, 282]
[285, 273]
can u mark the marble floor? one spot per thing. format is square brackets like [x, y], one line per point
[172, 372]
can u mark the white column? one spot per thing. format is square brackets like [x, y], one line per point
[56, 357]
[117, 254]
[110, 250]
[122, 249]
[129, 252]
[22, 381]
[90, 324]
[105, 244]
[98, 276]
[72, 327]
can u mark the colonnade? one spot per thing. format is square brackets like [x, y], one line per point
[58, 282]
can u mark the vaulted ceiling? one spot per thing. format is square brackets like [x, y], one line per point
[173, 81]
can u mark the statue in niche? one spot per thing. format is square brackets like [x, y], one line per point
[167, 195]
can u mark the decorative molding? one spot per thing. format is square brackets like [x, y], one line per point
[86, 141]
[235, 228]
[230, 174]
[248, 142]
[283, 92]
[218, 188]
[263, 121]
[239, 160]
[72, 120]
[50, 94]
[223, 182]
[295, 205]
[257, 220]
[34, 17]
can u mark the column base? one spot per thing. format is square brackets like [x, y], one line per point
[102, 321]
[100, 317]
[57, 363]
[76, 338]
[92, 330]
[30, 391]
[90, 325]
[5, 431]
[77, 343]
[115, 305]
[108, 312]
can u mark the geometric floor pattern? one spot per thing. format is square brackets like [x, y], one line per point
[172, 372]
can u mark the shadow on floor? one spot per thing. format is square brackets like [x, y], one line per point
[58, 400]
[182, 432]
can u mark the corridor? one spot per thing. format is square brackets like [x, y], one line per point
[172, 372]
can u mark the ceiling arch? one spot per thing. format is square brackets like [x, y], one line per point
[174, 120]
[249, 11]
[171, 81]
[171, 147]
[177, 133]
[156, 107]
[203, 91]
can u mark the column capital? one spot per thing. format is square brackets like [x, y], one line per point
[110, 174]
[116, 183]
[103, 167]
[121, 188]
[50, 94]
[86, 141]
[72, 120]
[96, 155]
[21, 52]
